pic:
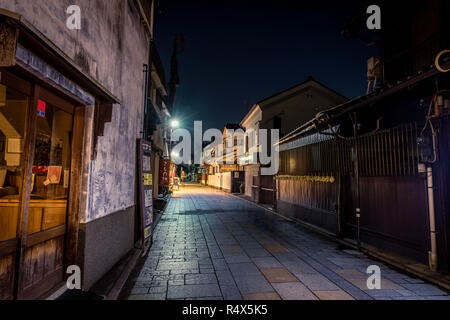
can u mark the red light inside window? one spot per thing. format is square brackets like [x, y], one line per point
[41, 108]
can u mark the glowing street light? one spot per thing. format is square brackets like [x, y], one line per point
[173, 125]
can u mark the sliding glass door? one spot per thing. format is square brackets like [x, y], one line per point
[35, 163]
[14, 107]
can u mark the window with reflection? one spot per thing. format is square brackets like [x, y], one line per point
[13, 114]
[51, 168]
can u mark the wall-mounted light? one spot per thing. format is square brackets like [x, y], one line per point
[174, 123]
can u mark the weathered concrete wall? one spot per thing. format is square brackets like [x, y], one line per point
[103, 242]
[112, 47]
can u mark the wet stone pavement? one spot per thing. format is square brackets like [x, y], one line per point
[212, 246]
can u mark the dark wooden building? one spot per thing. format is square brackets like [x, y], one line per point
[361, 170]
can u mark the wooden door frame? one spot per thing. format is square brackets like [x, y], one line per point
[76, 195]
[78, 184]
[24, 205]
[23, 86]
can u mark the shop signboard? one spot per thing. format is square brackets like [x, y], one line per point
[164, 173]
[145, 190]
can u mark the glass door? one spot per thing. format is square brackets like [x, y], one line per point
[35, 167]
[43, 259]
[14, 107]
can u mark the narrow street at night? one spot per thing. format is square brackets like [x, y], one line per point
[219, 159]
[210, 245]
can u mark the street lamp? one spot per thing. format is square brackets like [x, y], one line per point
[174, 124]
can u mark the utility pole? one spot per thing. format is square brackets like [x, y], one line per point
[174, 83]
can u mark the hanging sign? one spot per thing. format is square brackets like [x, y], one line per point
[164, 172]
[41, 108]
[145, 190]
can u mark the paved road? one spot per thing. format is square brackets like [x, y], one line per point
[209, 245]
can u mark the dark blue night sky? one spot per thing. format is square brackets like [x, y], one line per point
[238, 54]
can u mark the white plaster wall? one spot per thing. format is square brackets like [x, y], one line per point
[250, 172]
[252, 126]
[299, 109]
[220, 180]
[214, 180]
[112, 47]
[226, 181]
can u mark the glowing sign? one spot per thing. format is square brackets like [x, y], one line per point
[41, 108]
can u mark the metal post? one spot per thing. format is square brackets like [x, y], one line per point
[146, 111]
[432, 255]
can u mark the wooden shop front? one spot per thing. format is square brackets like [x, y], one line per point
[44, 103]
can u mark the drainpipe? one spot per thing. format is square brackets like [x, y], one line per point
[357, 191]
[432, 255]
[146, 111]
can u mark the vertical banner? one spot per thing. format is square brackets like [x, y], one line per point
[145, 189]
[164, 172]
[173, 169]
